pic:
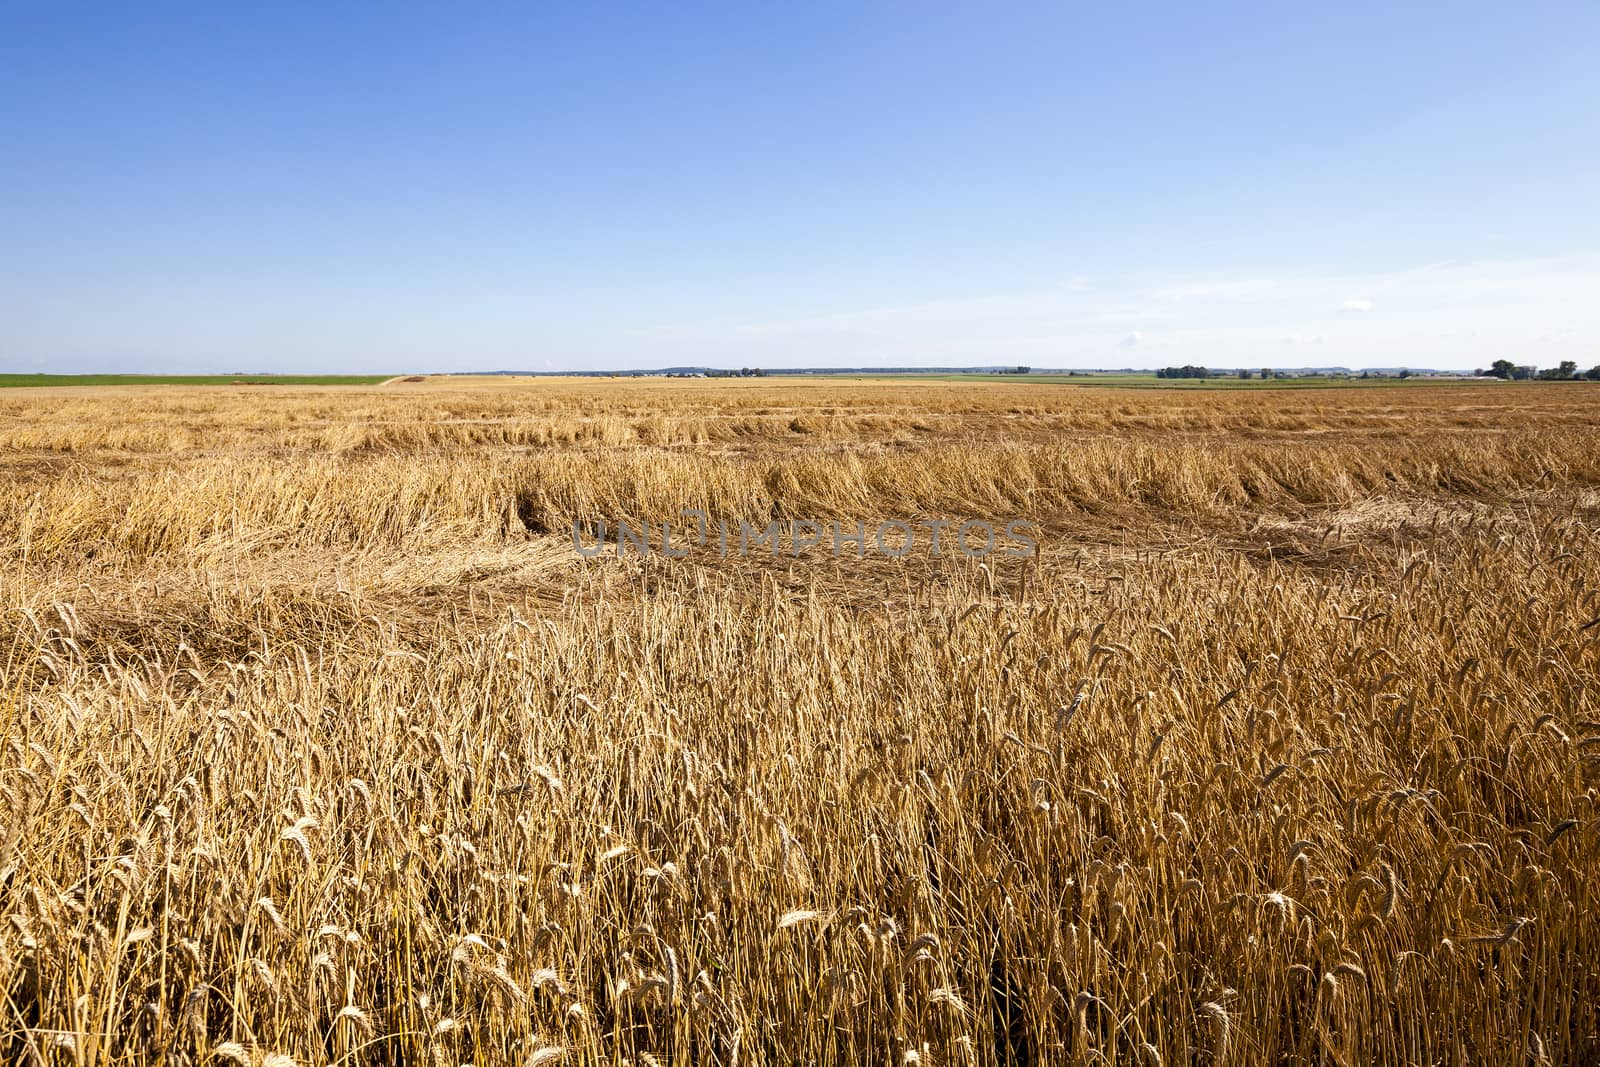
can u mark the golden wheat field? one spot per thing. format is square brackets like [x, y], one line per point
[321, 743]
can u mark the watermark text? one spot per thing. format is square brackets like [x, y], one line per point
[893, 538]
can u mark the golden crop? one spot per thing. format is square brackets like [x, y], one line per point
[320, 744]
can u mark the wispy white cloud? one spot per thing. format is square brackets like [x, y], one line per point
[1451, 314]
[1458, 314]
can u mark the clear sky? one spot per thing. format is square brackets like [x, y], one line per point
[339, 187]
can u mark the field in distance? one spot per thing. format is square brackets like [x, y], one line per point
[1150, 381]
[320, 740]
[16, 381]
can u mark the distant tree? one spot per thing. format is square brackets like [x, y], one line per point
[1593, 373]
[1185, 371]
[1243, 373]
[1268, 372]
[1502, 368]
[1565, 372]
[1523, 372]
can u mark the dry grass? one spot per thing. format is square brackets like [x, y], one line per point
[318, 741]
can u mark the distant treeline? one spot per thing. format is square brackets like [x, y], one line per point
[1567, 371]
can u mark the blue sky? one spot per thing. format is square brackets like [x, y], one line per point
[300, 187]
